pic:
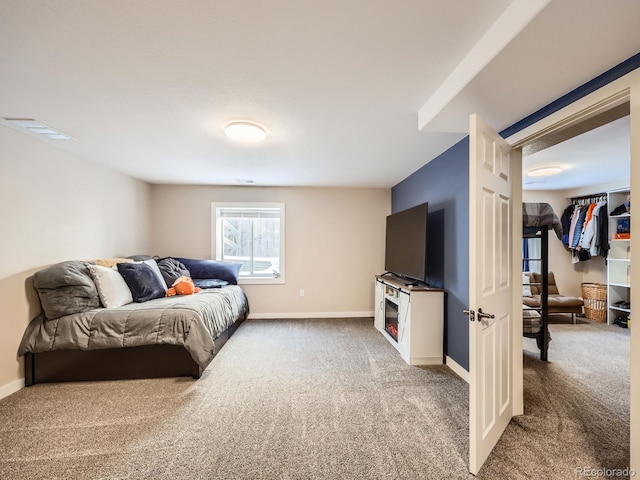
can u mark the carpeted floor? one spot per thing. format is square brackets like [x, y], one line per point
[326, 399]
[576, 407]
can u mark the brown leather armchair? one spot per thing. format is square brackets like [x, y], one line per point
[557, 303]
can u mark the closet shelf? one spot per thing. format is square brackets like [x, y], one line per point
[627, 310]
[619, 259]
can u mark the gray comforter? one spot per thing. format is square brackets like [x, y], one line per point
[539, 214]
[193, 321]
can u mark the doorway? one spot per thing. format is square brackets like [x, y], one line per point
[624, 89]
[589, 360]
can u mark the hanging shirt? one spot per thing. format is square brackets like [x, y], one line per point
[593, 246]
[602, 242]
[588, 229]
[574, 220]
[578, 230]
[565, 220]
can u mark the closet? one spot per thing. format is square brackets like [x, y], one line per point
[619, 259]
[599, 225]
[589, 255]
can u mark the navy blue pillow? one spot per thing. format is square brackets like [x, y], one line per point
[142, 281]
[213, 269]
[209, 283]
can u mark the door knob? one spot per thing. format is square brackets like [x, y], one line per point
[482, 315]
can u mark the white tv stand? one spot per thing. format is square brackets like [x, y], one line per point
[411, 318]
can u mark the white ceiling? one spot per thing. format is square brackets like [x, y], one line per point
[596, 157]
[145, 87]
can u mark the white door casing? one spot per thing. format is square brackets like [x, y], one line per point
[490, 290]
[623, 89]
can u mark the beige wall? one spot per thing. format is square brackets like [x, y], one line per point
[55, 207]
[334, 243]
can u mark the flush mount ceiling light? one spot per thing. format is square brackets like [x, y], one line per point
[245, 132]
[33, 126]
[544, 171]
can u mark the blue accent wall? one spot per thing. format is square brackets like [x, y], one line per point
[444, 183]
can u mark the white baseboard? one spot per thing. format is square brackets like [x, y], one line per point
[264, 316]
[457, 369]
[11, 387]
[425, 360]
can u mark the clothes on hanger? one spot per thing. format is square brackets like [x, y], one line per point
[565, 220]
[600, 245]
[588, 229]
[581, 215]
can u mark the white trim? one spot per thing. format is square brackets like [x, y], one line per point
[507, 26]
[425, 361]
[296, 315]
[517, 365]
[634, 83]
[216, 247]
[601, 100]
[625, 88]
[11, 387]
[261, 281]
[457, 369]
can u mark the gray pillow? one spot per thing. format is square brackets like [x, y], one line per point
[66, 288]
[171, 270]
[140, 258]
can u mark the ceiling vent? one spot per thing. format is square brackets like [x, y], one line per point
[33, 126]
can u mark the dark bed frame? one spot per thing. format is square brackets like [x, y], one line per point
[542, 337]
[147, 361]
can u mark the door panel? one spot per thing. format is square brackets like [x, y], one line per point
[505, 370]
[505, 243]
[490, 290]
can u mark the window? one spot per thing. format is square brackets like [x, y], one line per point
[251, 234]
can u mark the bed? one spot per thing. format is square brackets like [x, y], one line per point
[542, 296]
[160, 337]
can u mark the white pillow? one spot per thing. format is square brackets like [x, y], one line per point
[526, 289]
[112, 289]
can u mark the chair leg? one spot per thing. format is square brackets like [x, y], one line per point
[573, 318]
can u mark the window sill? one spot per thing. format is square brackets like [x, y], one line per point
[261, 281]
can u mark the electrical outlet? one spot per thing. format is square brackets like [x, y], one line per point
[302, 293]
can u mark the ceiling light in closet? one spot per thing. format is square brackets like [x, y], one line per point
[245, 132]
[544, 171]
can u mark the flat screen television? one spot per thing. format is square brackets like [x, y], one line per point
[406, 243]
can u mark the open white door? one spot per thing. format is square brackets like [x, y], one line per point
[490, 290]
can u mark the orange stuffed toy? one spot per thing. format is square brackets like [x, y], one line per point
[183, 286]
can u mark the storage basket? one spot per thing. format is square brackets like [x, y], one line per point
[595, 301]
